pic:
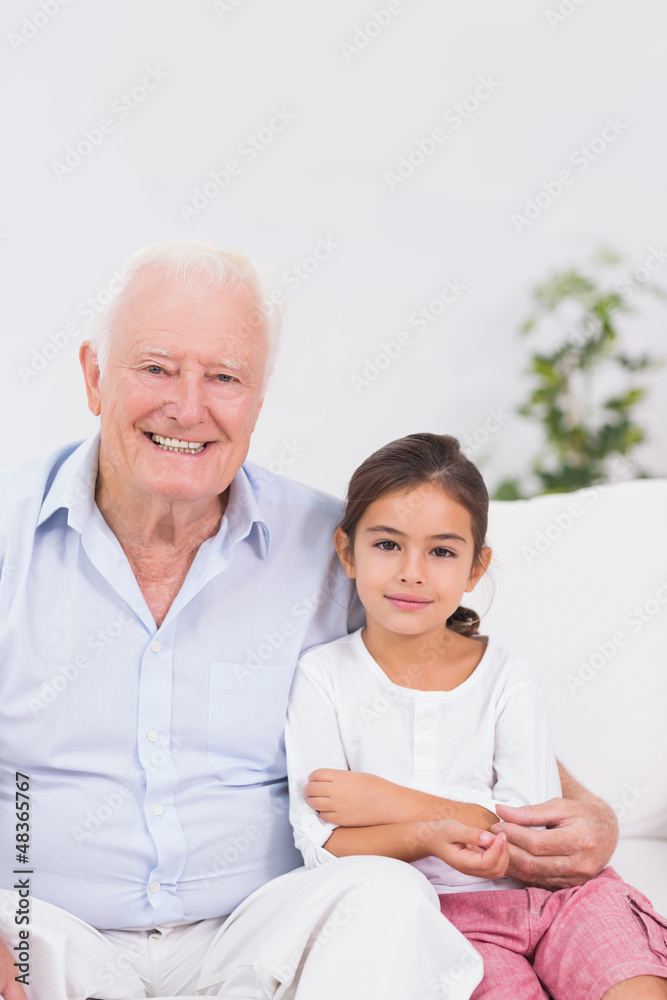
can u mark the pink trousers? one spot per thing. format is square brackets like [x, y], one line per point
[572, 944]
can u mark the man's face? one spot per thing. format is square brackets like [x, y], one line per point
[182, 388]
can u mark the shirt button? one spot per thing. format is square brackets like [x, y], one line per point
[308, 821]
[153, 735]
[158, 809]
[425, 723]
[424, 749]
[156, 646]
[425, 695]
[155, 887]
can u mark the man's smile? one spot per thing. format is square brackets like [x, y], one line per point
[176, 444]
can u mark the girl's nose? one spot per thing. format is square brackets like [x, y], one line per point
[412, 571]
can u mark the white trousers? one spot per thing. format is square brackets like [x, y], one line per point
[359, 928]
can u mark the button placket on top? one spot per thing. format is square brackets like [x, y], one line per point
[424, 742]
[154, 745]
[155, 716]
[153, 721]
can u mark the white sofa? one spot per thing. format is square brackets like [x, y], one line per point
[580, 589]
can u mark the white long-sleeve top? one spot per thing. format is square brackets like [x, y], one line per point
[487, 741]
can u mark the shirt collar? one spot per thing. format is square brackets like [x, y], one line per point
[243, 511]
[74, 485]
[73, 489]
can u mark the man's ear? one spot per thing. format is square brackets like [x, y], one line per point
[344, 550]
[91, 374]
[480, 568]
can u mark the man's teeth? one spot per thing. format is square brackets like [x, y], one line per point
[173, 444]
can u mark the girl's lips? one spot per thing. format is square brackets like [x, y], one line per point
[409, 602]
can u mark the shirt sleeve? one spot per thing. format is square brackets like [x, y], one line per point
[312, 740]
[524, 761]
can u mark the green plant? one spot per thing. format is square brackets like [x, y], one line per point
[583, 431]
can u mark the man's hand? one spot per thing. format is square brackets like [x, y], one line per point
[9, 988]
[352, 798]
[577, 844]
[469, 850]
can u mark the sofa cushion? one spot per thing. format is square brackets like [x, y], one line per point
[579, 587]
[643, 863]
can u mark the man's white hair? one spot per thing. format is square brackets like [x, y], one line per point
[194, 261]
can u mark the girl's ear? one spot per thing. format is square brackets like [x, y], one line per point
[344, 550]
[480, 568]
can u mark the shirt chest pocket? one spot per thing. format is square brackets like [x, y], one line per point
[246, 721]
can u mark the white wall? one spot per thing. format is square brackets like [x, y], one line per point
[220, 70]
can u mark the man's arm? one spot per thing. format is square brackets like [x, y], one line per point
[581, 835]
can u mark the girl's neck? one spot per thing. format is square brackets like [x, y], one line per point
[438, 660]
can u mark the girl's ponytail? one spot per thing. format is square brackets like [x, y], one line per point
[464, 621]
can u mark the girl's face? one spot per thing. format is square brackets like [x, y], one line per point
[412, 559]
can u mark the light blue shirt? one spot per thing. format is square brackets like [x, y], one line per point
[156, 757]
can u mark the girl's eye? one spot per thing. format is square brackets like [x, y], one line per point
[386, 545]
[443, 552]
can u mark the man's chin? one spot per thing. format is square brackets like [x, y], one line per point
[185, 488]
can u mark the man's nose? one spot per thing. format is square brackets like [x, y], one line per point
[188, 403]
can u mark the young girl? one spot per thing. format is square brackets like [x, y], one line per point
[422, 709]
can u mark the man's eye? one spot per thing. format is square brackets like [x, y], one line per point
[154, 369]
[225, 378]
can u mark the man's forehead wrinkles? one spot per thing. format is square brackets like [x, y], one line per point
[184, 348]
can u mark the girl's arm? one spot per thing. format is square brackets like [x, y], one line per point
[312, 737]
[469, 850]
[352, 798]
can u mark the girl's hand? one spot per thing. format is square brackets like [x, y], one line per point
[469, 850]
[352, 798]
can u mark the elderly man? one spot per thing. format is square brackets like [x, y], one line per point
[156, 594]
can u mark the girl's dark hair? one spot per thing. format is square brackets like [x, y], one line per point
[409, 462]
